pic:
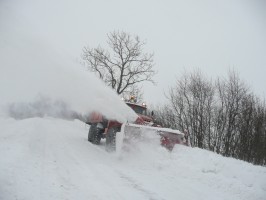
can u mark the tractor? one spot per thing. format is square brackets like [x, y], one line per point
[101, 127]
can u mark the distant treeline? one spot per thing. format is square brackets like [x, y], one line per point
[220, 115]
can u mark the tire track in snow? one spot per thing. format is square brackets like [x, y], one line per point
[137, 186]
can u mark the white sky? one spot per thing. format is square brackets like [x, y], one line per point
[211, 35]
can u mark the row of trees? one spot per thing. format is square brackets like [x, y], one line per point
[223, 116]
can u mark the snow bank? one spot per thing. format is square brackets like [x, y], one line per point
[36, 71]
[47, 158]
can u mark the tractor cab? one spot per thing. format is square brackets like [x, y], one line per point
[139, 109]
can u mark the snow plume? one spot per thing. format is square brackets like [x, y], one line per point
[39, 78]
[42, 107]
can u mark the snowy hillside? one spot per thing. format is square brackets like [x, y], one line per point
[43, 156]
[49, 158]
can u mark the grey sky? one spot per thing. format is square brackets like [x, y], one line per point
[211, 35]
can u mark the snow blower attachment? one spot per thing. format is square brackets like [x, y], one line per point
[131, 133]
[121, 136]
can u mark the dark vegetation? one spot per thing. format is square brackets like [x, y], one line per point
[221, 115]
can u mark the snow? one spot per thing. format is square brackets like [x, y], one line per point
[39, 76]
[50, 158]
[156, 128]
[44, 156]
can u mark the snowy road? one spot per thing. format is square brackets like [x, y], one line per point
[47, 158]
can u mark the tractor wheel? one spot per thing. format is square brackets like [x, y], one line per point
[95, 134]
[110, 138]
[91, 132]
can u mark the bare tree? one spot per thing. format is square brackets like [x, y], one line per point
[165, 117]
[192, 102]
[123, 65]
[233, 92]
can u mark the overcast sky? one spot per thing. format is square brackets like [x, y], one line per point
[211, 35]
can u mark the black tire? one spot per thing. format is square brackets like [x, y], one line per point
[95, 134]
[111, 138]
[91, 132]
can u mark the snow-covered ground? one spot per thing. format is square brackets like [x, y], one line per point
[50, 158]
[43, 156]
